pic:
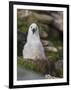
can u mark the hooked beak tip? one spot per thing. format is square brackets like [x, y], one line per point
[33, 30]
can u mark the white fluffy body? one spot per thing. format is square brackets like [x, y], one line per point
[33, 48]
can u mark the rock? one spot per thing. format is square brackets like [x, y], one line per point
[51, 67]
[46, 43]
[48, 76]
[54, 68]
[51, 48]
[36, 65]
[58, 24]
[59, 64]
[50, 43]
[23, 13]
[41, 65]
[43, 18]
[44, 27]
[58, 21]
[57, 15]
[21, 37]
[43, 34]
[60, 47]
[59, 68]
[60, 13]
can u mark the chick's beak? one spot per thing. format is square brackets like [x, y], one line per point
[33, 30]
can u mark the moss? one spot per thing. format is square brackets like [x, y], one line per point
[53, 55]
[59, 73]
[38, 66]
[55, 41]
[22, 24]
[29, 64]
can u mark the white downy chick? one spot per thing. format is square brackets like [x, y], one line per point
[33, 49]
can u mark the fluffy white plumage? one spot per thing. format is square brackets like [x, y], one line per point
[33, 48]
